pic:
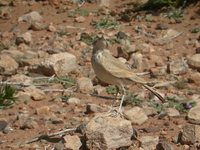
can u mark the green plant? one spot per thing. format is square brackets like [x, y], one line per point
[195, 30]
[133, 99]
[180, 84]
[65, 98]
[78, 11]
[86, 38]
[112, 90]
[175, 14]
[7, 96]
[66, 81]
[106, 23]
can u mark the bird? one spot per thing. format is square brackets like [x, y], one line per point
[110, 70]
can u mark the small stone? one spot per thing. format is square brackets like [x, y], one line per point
[136, 60]
[164, 146]
[136, 115]
[178, 67]
[51, 28]
[194, 61]
[72, 142]
[30, 123]
[172, 112]
[3, 124]
[197, 50]
[24, 38]
[104, 3]
[149, 142]
[73, 100]
[80, 19]
[194, 78]
[156, 60]
[193, 115]
[123, 60]
[23, 96]
[43, 110]
[161, 26]
[93, 108]
[106, 132]
[85, 85]
[190, 134]
[7, 64]
[149, 111]
[33, 16]
[36, 94]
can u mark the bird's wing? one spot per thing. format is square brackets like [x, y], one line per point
[118, 69]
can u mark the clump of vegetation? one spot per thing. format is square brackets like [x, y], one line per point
[133, 99]
[66, 81]
[180, 84]
[78, 11]
[86, 38]
[65, 98]
[195, 30]
[112, 90]
[7, 98]
[106, 23]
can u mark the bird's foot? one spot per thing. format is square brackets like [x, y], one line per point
[114, 112]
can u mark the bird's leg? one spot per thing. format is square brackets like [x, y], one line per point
[122, 99]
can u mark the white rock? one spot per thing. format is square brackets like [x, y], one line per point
[21, 78]
[85, 85]
[149, 142]
[60, 64]
[136, 115]
[194, 61]
[172, 112]
[104, 3]
[72, 142]
[178, 67]
[73, 100]
[136, 60]
[7, 64]
[194, 114]
[33, 16]
[106, 132]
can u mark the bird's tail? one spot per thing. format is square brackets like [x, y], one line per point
[154, 92]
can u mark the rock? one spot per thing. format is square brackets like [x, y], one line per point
[73, 100]
[85, 85]
[14, 53]
[30, 123]
[51, 28]
[106, 132]
[36, 94]
[43, 110]
[104, 3]
[60, 64]
[194, 61]
[122, 59]
[194, 115]
[93, 108]
[72, 142]
[156, 60]
[24, 38]
[194, 78]
[149, 111]
[80, 19]
[21, 78]
[178, 67]
[149, 142]
[136, 60]
[33, 16]
[23, 96]
[190, 134]
[197, 50]
[136, 115]
[172, 112]
[7, 64]
[161, 26]
[3, 124]
[38, 26]
[164, 146]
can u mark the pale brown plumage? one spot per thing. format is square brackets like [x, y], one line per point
[110, 70]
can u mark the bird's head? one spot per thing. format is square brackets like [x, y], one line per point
[99, 45]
